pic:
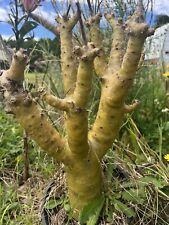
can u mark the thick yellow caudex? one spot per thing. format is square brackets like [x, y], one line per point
[81, 150]
[85, 181]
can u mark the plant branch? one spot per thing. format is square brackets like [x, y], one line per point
[115, 88]
[26, 111]
[45, 23]
[81, 24]
[84, 76]
[62, 104]
[100, 62]
[77, 118]
[90, 7]
[132, 107]
[68, 60]
[118, 43]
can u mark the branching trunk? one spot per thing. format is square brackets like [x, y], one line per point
[81, 150]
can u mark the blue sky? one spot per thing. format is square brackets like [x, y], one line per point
[160, 7]
[6, 31]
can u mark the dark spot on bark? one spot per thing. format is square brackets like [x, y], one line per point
[101, 128]
[102, 80]
[8, 110]
[15, 56]
[27, 101]
[96, 139]
[75, 127]
[42, 114]
[52, 142]
[13, 101]
[79, 110]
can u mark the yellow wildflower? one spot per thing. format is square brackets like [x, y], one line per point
[166, 157]
[166, 74]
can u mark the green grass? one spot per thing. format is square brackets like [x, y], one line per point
[31, 76]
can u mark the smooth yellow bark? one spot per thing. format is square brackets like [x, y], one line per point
[96, 36]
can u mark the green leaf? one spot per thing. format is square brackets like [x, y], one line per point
[91, 212]
[22, 18]
[152, 180]
[19, 158]
[27, 27]
[166, 126]
[67, 207]
[134, 196]
[52, 203]
[121, 207]
[14, 205]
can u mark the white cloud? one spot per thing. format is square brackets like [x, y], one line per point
[4, 14]
[161, 7]
[46, 14]
[7, 37]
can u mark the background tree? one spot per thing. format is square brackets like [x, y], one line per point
[20, 23]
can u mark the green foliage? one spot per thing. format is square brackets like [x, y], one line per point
[27, 27]
[149, 88]
[9, 205]
[52, 203]
[13, 210]
[136, 190]
[20, 24]
[90, 213]
[42, 52]
[10, 141]
[121, 207]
